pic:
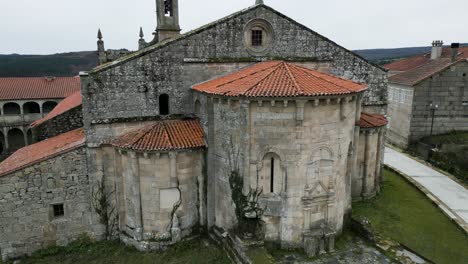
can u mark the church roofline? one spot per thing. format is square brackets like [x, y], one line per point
[165, 43]
[278, 79]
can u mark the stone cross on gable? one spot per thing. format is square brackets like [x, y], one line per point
[259, 2]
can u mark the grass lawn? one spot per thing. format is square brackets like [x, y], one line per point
[449, 138]
[404, 214]
[85, 251]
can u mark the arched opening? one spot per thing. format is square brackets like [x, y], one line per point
[29, 136]
[2, 143]
[197, 108]
[11, 109]
[31, 108]
[47, 107]
[271, 174]
[164, 104]
[16, 139]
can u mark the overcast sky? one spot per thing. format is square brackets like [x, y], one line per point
[52, 26]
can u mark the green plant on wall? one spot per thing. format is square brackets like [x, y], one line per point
[247, 208]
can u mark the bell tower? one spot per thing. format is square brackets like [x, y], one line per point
[168, 19]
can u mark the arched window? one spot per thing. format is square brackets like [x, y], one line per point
[197, 108]
[47, 107]
[164, 104]
[31, 108]
[271, 174]
[29, 136]
[2, 143]
[11, 109]
[15, 139]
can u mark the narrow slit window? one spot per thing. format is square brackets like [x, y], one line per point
[257, 37]
[58, 210]
[272, 176]
[164, 104]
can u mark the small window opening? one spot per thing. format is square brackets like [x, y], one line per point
[464, 75]
[164, 104]
[58, 210]
[272, 175]
[257, 37]
[168, 8]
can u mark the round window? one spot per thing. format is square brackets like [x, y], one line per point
[258, 36]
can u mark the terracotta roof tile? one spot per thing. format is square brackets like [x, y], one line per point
[278, 79]
[38, 88]
[419, 60]
[164, 135]
[67, 104]
[421, 73]
[372, 121]
[42, 150]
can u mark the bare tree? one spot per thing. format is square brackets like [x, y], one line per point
[103, 206]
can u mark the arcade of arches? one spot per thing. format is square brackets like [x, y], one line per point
[13, 108]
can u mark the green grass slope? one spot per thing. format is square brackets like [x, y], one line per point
[404, 214]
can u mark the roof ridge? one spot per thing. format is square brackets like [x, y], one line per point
[140, 133]
[167, 134]
[245, 76]
[264, 78]
[305, 70]
[291, 75]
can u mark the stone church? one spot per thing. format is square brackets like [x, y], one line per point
[299, 118]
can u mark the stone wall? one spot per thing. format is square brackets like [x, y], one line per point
[304, 137]
[27, 221]
[131, 87]
[60, 124]
[449, 90]
[399, 114]
[151, 186]
[370, 151]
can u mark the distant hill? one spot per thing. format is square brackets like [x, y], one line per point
[384, 56]
[70, 64]
[63, 64]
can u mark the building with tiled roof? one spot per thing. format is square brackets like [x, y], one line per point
[164, 136]
[178, 132]
[372, 121]
[428, 94]
[66, 116]
[25, 100]
[278, 79]
[42, 151]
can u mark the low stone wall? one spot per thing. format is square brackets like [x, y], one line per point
[60, 124]
[28, 219]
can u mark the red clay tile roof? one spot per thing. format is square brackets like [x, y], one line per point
[38, 88]
[42, 150]
[421, 73]
[164, 135]
[419, 60]
[372, 121]
[278, 79]
[67, 104]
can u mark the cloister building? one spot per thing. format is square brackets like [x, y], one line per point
[25, 100]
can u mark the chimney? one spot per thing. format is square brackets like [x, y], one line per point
[436, 51]
[455, 47]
